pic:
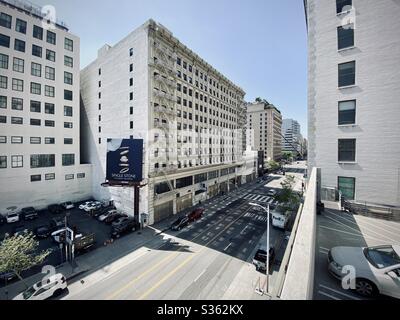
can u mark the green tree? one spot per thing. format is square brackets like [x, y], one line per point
[287, 155]
[288, 198]
[20, 253]
[273, 165]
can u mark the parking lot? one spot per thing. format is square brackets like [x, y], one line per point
[336, 228]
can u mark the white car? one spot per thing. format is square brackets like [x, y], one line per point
[68, 205]
[12, 217]
[84, 205]
[53, 286]
[93, 206]
[377, 269]
[106, 215]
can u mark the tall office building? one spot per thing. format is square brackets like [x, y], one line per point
[152, 87]
[264, 126]
[39, 111]
[291, 136]
[354, 94]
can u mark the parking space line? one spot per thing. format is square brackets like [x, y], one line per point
[199, 276]
[338, 292]
[350, 233]
[328, 295]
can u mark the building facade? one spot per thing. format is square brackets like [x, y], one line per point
[152, 87]
[354, 94]
[264, 126]
[291, 136]
[39, 111]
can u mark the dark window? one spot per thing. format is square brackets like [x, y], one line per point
[36, 178]
[49, 140]
[43, 160]
[347, 186]
[18, 65]
[4, 41]
[3, 139]
[3, 102]
[68, 95]
[347, 74]
[68, 61]
[342, 4]
[17, 104]
[35, 106]
[36, 88]
[3, 119]
[35, 122]
[38, 32]
[69, 44]
[3, 82]
[68, 77]
[347, 150]
[49, 123]
[162, 187]
[68, 111]
[68, 140]
[347, 112]
[212, 175]
[19, 45]
[51, 37]
[50, 55]
[68, 125]
[36, 140]
[50, 176]
[3, 61]
[5, 20]
[184, 182]
[200, 178]
[17, 120]
[68, 159]
[80, 175]
[3, 162]
[20, 26]
[49, 108]
[345, 36]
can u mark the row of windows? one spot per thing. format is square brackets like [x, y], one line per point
[52, 176]
[34, 140]
[35, 106]
[37, 161]
[35, 122]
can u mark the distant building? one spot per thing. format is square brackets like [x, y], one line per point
[291, 136]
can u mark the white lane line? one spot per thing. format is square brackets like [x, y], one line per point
[264, 199]
[323, 252]
[328, 295]
[271, 200]
[338, 292]
[243, 230]
[199, 276]
[227, 247]
[350, 233]
[325, 249]
[257, 196]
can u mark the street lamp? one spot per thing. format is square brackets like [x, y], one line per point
[266, 209]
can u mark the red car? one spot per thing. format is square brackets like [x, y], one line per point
[196, 214]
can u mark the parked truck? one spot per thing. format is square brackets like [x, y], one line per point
[84, 242]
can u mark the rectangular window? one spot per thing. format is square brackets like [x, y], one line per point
[20, 26]
[49, 108]
[3, 119]
[5, 20]
[17, 120]
[69, 44]
[68, 159]
[36, 51]
[36, 88]
[184, 182]
[18, 65]
[36, 178]
[68, 141]
[347, 186]
[68, 111]
[19, 45]
[3, 102]
[347, 112]
[343, 5]
[35, 106]
[36, 69]
[50, 176]
[81, 175]
[3, 139]
[69, 177]
[38, 32]
[49, 123]
[36, 140]
[347, 150]
[43, 161]
[3, 82]
[3, 61]
[3, 162]
[4, 41]
[17, 161]
[17, 140]
[51, 37]
[49, 91]
[68, 95]
[68, 61]
[36, 122]
[49, 140]
[18, 85]
[68, 125]
[50, 73]
[347, 74]
[345, 36]
[68, 78]
[17, 104]
[50, 55]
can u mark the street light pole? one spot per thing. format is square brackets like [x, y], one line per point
[267, 210]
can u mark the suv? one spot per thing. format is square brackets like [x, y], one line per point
[125, 226]
[29, 213]
[12, 217]
[56, 224]
[180, 223]
[114, 216]
[260, 258]
[196, 214]
[55, 208]
[54, 286]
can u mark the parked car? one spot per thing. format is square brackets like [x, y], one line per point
[42, 232]
[126, 225]
[2, 220]
[68, 205]
[7, 276]
[115, 216]
[12, 217]
[84, 242]
[85, 204]
[54, 286]
[29, 213]
[260, 258]
[120, 221]
[56, 224]
[196, 214]
[93, 206]
[377, 268]
[20, 230]
[55, 209]
[180, 223]
[280, 217]
[106, 215]
[100, 211]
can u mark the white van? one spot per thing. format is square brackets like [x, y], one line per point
[279, 220]
[41, 291]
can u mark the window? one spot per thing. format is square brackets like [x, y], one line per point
[43, 160]
[184, 182]
[3, 139]
[68, 125]
[51, 37]
[68, 111]
[3, 162]
[49, 123]
[68, 61]
[3, 61]
[80, 175]
[20, 26]
[4, 41]
[347, 74]
[68, 95]
[37, 32]
[3, 102]
[35, 106]
[347, 112]
[5, 20]
[347, 186]
[69, 45]
[68, 78]
[36, 122]
[19, 45]
[17, 104]
[49, 108]
[36, 178]
[36, 69]
[68, 141]
[50, 73]
[200, 178]
[131, 82]
[18, 65]
[341, 5]
[68, 159]
[17, 140]
[17, 85]
[49, 91]
[36, 88]
[69, 177]
[345, 36]
[347, 150]
[17, 120]
[3, 119]
[17, 161]
[3, 82]
[50, 55]
[131, 52]
[49, 140]
[36, 51]
[50, 176]
[131, 67]
[36, 140]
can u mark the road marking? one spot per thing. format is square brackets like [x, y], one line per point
[338, 292]
[199, 276]
[325, 249]
[328, 295]
[227, 247]
[323, 252]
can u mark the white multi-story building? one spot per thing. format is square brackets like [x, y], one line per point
[152, 87]
[354, 94]
[291, 136]
[39, 111]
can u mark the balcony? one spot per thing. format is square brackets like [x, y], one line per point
[161, 125]
[164, 110]
[164, 95]
[170, 83]
[170, 67]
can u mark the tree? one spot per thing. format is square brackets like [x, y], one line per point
[259, 100]
[287, 155]
[273, 165]
[288, 198]
[19, 253]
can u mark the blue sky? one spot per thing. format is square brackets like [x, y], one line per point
[261, 45]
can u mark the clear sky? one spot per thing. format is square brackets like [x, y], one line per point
[261, 45]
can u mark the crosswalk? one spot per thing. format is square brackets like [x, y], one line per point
[258, 198]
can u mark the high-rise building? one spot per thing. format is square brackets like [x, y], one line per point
[291, 136]
[39, 111]
[354, 94]
[152, 87]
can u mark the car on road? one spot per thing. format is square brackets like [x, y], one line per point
[114, 217]
[42, 232]
[196, 214]
[125, 226]
[106, 215]
[260, 258]
[55, 208]
[43, 290]
[12, 217]
[377, 269]
[29, 213]
[180, 223]
[68, 205]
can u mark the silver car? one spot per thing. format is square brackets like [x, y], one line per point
[377, 268]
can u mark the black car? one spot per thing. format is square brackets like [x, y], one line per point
[2, 220]
[20, 230]
[126, 226]
[29, 213]
[42, 232]
[180, 223]
[56, 224]
[7, 276]
[55, 209]
[114, 217]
